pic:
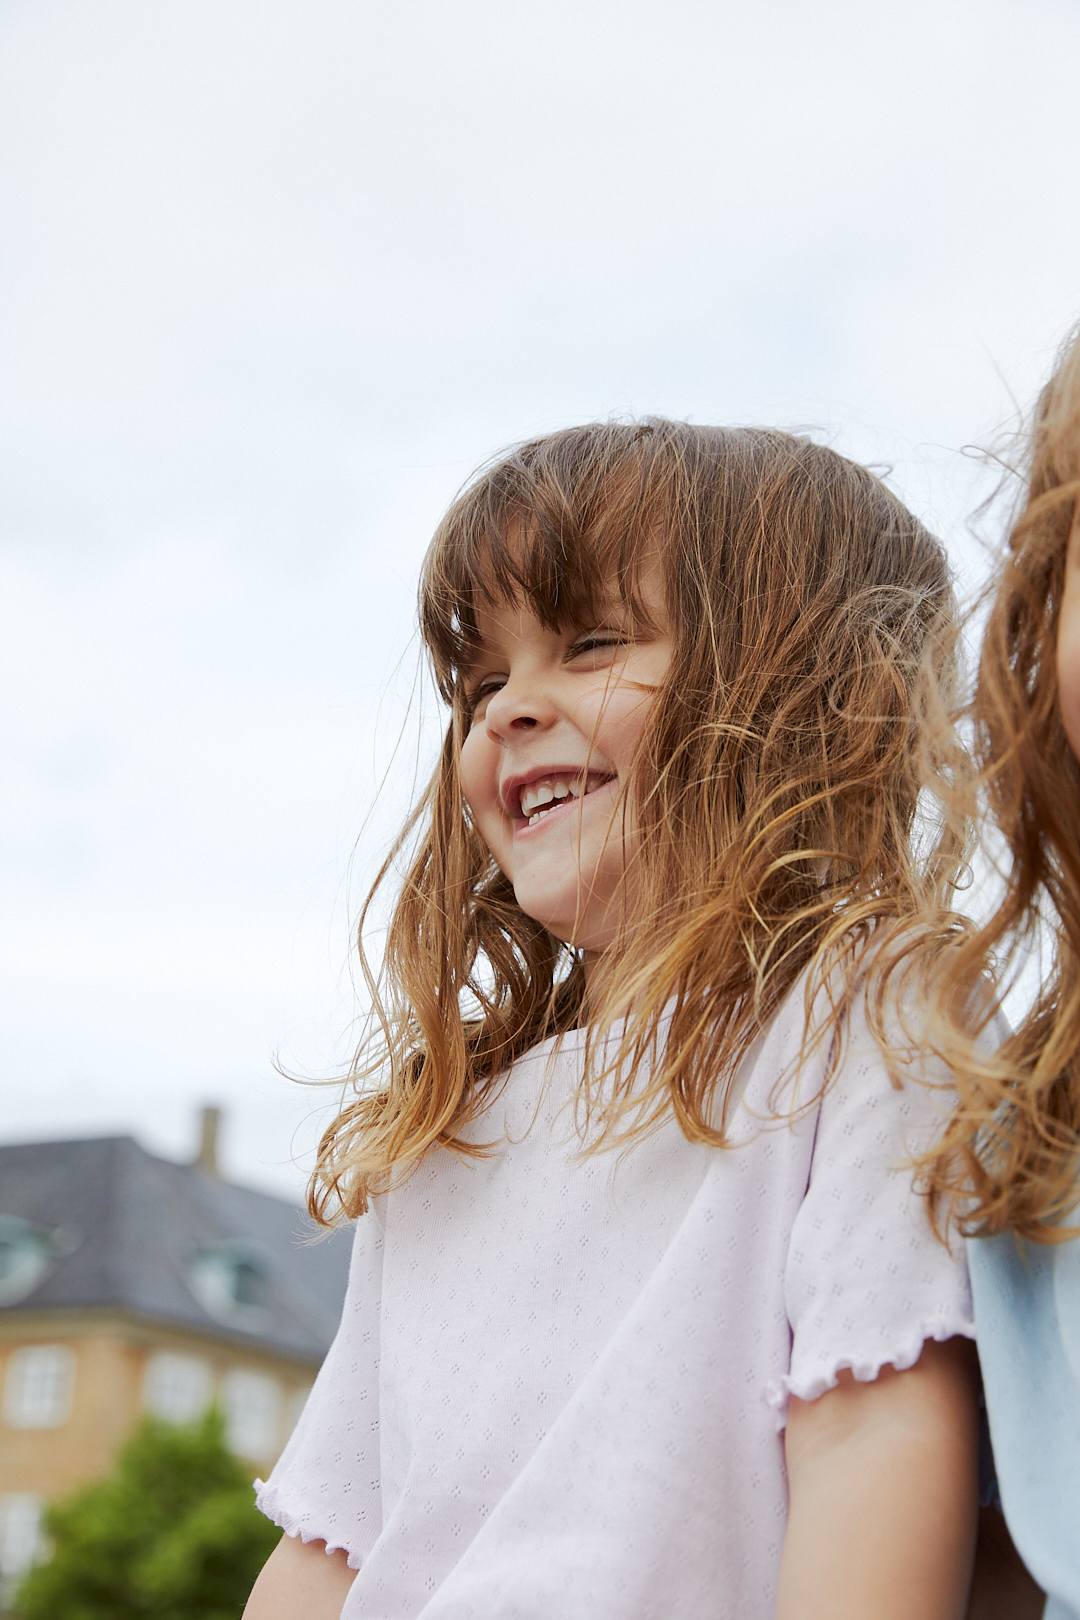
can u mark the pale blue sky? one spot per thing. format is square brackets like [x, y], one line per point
[274, 279]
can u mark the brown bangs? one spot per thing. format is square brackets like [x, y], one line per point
[559, 524]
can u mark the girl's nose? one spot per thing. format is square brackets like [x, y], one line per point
[516, 707]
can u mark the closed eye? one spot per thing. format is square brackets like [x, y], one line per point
[481, 693]
[596, 643]
[600, 642]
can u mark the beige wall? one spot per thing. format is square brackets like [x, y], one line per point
[111, 1353]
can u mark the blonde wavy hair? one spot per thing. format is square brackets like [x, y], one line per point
[1012, 1150]
[779, 788]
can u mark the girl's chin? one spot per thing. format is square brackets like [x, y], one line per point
[589, 931]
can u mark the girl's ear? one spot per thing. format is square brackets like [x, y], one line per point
[1068, 641]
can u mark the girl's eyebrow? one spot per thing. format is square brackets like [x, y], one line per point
[473, 655]
[475, 651]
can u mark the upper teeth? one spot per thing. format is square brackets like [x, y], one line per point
[550, 789]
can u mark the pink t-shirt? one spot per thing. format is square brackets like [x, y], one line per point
[559, 1383]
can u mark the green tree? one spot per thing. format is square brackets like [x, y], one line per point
[171, 1534]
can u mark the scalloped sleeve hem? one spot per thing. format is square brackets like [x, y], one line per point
[808, 1386]
[302, 1525]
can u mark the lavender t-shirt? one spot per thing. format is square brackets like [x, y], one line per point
[559, 1384]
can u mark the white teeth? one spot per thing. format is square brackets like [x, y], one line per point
[546, 792]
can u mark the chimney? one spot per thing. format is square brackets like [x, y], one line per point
[209, 1126]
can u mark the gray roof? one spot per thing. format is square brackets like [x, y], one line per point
[129, 1225]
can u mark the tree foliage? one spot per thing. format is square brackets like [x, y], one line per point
[171, 1534]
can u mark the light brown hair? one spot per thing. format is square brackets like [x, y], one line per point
[777, 785]
[1012, 1146]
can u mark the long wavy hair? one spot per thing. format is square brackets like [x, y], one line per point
[781, 792]
[1012, 1149]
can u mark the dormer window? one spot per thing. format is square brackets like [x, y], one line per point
[246, 1281]
[230, 1282]
[26, 1252]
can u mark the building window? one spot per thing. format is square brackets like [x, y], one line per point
[252, 1404]
[177, 1388]
[38, 1387]
[25, 1254]
[246, 1282]
[20, 1539]
[230, 1283]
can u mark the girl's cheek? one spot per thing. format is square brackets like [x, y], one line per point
[1068, 654]
[469, 773]
[478, 776]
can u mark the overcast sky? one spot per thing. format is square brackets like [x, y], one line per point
[273, 279]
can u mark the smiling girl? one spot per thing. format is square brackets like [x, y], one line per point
[644, 1318]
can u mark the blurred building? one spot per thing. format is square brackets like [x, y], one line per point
[132, 1284]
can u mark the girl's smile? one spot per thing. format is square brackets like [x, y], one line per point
[547, 793]
[556, 720]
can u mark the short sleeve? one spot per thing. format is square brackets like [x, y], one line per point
[867, 1282]
[326, 1484]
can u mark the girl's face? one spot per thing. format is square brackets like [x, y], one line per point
[1068, 645]
[556, 721]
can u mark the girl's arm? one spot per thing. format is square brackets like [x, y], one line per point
[883, 1481]
[300, 1578]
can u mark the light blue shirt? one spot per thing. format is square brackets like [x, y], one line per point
[1027, 1318]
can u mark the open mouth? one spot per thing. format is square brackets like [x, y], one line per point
[547, 795]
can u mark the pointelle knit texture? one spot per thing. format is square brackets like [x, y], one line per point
[560, 1382]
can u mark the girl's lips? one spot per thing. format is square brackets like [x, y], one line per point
[524, 829]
